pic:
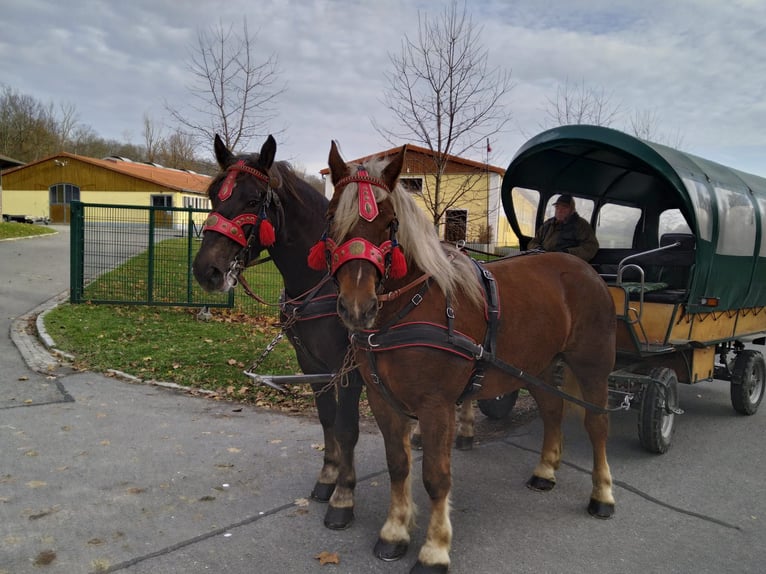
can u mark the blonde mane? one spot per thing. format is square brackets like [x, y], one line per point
[450, 269]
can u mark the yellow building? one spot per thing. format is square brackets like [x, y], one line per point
[470, 189]
[46, 188]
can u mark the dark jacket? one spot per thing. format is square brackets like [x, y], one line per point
[574, 235]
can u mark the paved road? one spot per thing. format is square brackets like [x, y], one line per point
[100, 475]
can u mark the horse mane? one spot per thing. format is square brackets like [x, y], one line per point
[450, 269]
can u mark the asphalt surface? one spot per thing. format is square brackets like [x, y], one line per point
[101, 475]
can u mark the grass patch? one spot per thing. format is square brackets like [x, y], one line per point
[170, 344]
[13, 230]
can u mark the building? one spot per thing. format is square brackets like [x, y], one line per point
[5, 163]
[476, 214]
[46, 188]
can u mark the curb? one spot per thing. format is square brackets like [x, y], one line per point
[41, 355]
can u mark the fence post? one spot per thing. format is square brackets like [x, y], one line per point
[150, 257]
[76, 252]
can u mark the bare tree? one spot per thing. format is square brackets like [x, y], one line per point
[233, 94]
[645, 125]
[177, 151]
[152, 138]
[580, 104]
[445, 97]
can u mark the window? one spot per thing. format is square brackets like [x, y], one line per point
[64, 193]
[525, 202]
[616, 225]
[456, 224]
[412, 184]
[672, 221]
[162, 201]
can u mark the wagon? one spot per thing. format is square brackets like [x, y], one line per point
[682, 249]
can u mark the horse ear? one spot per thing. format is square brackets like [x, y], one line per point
[268, 152]
[338, 167]
[394, 168]
[222, 154]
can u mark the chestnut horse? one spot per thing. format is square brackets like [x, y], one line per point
[431, 327]
[259, 203]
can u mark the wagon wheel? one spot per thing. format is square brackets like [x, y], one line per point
[656, 423]
[747, 381]
[499, 407]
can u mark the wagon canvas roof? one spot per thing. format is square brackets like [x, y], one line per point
[718, 202]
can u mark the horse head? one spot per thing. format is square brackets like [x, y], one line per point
[246, 218]
[361, 243]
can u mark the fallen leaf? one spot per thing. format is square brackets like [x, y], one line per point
[325, 557]
[301, 502]
[232, 361]
[36, 483]
[23, 378]
[234, 449]
[45, 557]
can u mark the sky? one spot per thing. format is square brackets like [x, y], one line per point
[698, 66]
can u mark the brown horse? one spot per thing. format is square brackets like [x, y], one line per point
[262, 204]
[432, 327]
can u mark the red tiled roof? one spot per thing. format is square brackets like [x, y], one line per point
[167, 177]
[411, 148]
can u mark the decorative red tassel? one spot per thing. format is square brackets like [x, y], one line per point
[398, 263]
[266, 233]
[317, 259]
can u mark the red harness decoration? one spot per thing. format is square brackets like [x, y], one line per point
[232, 228]
[227, 187]
[358, 248]
[368, 207]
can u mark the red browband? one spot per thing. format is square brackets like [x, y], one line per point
[358, 248]
[227, 187]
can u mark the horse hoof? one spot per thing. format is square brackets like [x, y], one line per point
[600, 509]
[540, 484]
[416, 442]
[390, 551]
[421, 568]
[338, 518]
[322, 492]
[464, 443]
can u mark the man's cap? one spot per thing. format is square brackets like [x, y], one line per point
[564, 199]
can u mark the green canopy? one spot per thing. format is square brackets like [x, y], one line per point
[725, 208]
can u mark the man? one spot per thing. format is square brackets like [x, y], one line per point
[566, 231]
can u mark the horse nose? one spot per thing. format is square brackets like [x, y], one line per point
[208, 276]
[358, 314]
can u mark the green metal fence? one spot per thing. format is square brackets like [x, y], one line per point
[142, 255]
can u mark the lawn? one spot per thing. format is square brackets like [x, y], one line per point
[12, 230]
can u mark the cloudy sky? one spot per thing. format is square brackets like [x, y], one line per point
[699, 66]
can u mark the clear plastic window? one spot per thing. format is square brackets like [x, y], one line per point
[616, 226]
[672, 221]
[525, 202]
[736, 223]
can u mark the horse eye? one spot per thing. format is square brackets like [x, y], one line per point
[252, 203]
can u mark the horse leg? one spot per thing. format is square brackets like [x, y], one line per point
[464, 435]
[465, 420]
[340, 512]
[438, 429]
[394, 537]
[327, 409]
[551, 409]
[601, 503]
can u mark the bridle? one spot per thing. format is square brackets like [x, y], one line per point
[387, 257]
[233, 228]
